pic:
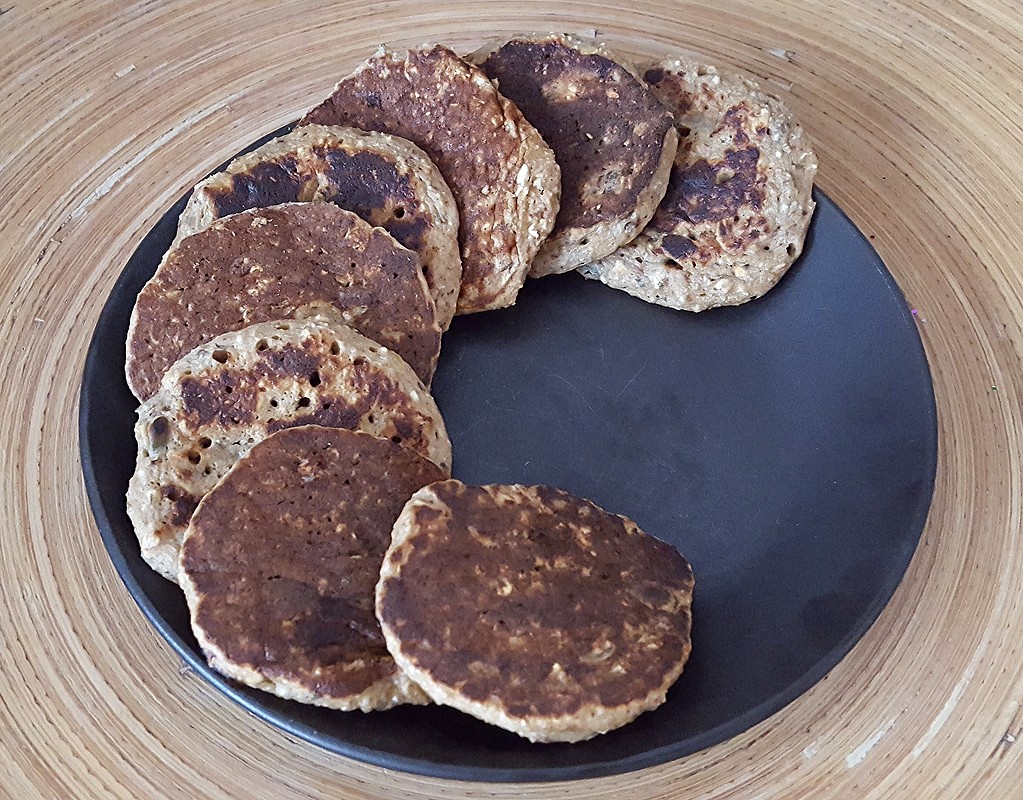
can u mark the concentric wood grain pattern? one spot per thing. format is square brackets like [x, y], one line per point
[109, 110]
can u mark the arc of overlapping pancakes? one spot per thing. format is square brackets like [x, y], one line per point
[292, 260]
[385, 180]
[218, 401]
[503, 176]
[568, 621]
[532, 609]
[280, 561]
[612, 138]
[739, 201]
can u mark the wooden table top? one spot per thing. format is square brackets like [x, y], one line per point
[109, 110]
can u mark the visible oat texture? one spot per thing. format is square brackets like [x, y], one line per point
[225, 396]
[385, 180]
[613, 140]
[738, 204]
[280, 561]
[532, 609]
[503, 176]
[288, 261]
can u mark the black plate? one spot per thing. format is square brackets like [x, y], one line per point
[787, 447]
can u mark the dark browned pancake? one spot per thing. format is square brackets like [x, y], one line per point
[281, 559]
[386, 180]
[502, 175]
[286, 261]
[612, 138]
[532, 609]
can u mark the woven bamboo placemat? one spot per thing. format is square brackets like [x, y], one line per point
[110, 110]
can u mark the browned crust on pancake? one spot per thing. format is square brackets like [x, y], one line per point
[224, 397]
[533, 609]
[503, 176]
[612, 138]
[385, 180]
[739, 201]
[275, 263]
[280, 562]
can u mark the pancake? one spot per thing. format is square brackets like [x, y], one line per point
[387, 181]
[503, 176]
[532, 609]
[222, 398]
[281, 558]
[285, 261]
[612, 138]
[738, 204]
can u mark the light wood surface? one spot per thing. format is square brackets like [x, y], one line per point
[110, 110]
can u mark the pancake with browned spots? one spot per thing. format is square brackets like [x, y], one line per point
[739, 200]
[281, 558]
[386, 180]
[287, 261]
[503, 176]
[225, 396]
[532, 609]
[612, 138]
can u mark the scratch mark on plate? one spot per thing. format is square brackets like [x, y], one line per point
[631, 380]
[575, 389]
[465, 430]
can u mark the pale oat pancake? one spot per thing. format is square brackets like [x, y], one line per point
[613, 140]
[224, 397]
[281, 559]
[532, 609]
[503, 176]
[386, 180]
[738, 203]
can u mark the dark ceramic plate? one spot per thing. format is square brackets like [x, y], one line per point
[787, 447]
